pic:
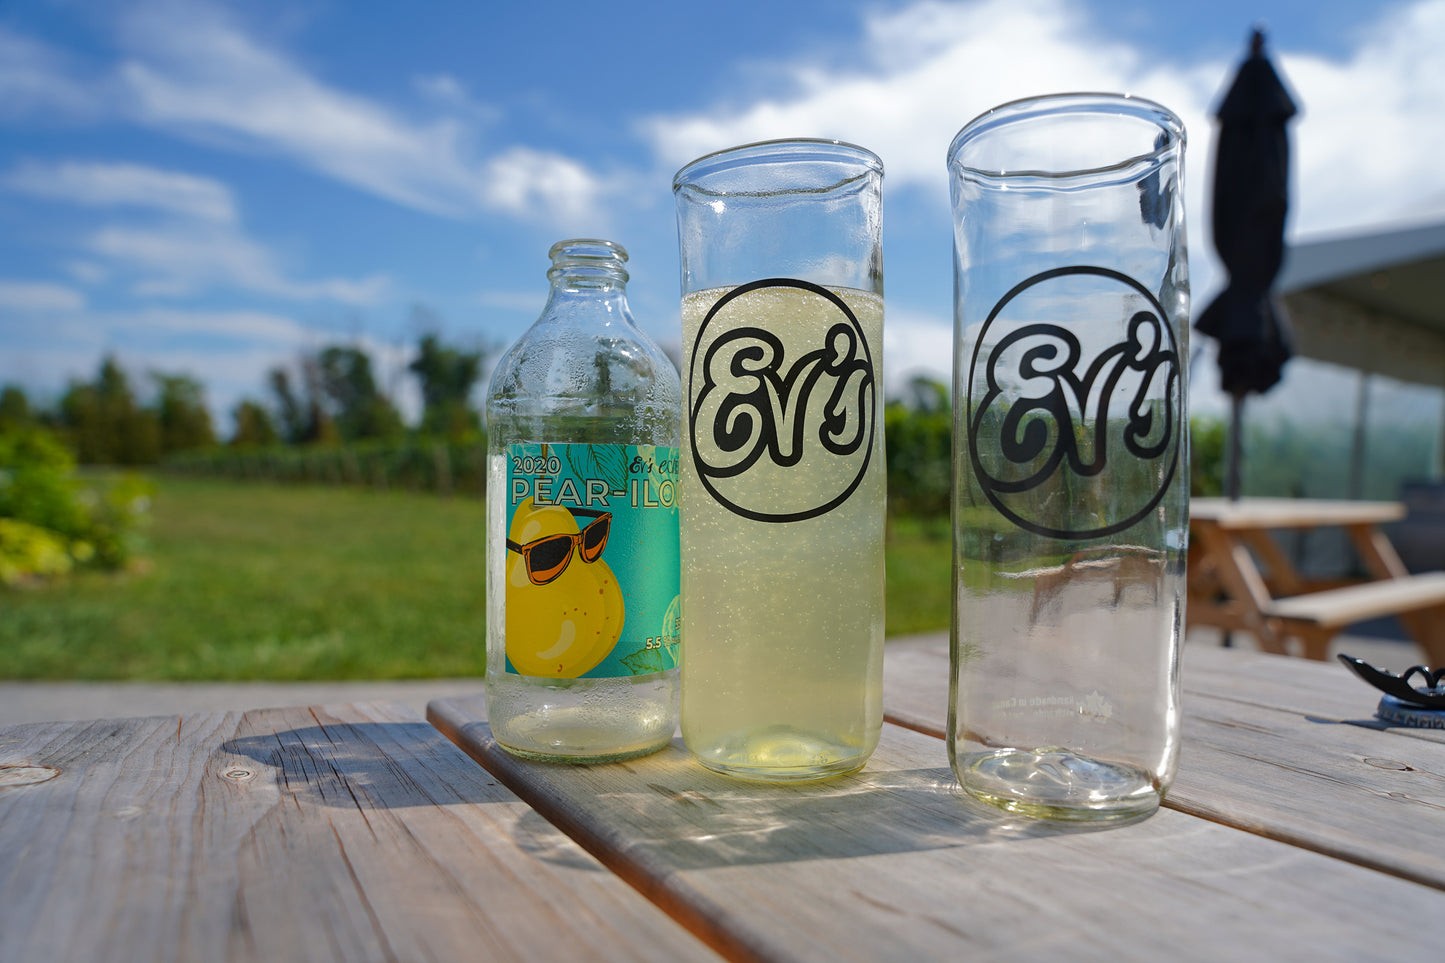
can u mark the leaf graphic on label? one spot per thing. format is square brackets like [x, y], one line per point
[605, 462]
[644, 661]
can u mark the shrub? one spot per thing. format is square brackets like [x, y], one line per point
[48, 510]
[27, 552]
[36, 483]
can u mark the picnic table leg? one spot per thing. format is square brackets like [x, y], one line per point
[1282, 572]
[1377, 552]
[1240, 577]
[1314, 639]
[1428, 629]
[1380, 557]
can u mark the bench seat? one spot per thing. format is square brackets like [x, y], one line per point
[1316, 617]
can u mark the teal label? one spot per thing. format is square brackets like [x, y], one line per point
[592, 560]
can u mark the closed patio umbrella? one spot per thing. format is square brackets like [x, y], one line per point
[1251, 198]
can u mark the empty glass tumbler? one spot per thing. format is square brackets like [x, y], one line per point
[782, 466]
[1071, 480]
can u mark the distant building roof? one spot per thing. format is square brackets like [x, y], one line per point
[1371, 301]
[1400, 272]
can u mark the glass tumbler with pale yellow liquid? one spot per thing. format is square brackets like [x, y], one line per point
[782, 474]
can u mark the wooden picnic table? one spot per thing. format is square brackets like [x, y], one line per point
[1240, 579]
[1299, 828]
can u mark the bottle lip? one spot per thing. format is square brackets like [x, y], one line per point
[821, 160]
[979, 146]
[588, 256]
[589, 247]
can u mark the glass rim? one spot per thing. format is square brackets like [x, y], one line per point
[1078, 104]
[588, 247]
[782, 149]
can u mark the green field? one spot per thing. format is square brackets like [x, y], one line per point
[255, 581]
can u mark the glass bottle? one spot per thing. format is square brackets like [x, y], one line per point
[583, 424]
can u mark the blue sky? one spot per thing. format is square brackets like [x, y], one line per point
[211, 188]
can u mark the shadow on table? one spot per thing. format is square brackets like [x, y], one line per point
[361, 765]
[666, 812]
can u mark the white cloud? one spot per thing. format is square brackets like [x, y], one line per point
[914, 344]
[1367, 144]
[35, 78]
[930, 68]
[230, 352]
[130, 185]
[526, 301]
[525, 182]
[87, 272]
[36, 297]
[195, 244]
[450, 94]
[193, 71]
[259, 328]
[257, 344]
[1371, 133]
[1367, 147]
[182, 259]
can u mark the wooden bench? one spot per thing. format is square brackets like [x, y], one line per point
[1316, 617]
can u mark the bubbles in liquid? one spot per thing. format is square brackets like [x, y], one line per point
[783, 622]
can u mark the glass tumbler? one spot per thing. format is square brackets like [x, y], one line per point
[1070, 448]
[782, 476]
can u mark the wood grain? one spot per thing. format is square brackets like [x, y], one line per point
[1357, 793]
[343, 833]
[895, 863]
[916, 674]
[1325, 691]
[1273, 745]
[915, 684]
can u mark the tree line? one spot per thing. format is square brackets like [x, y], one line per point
[330, 396]
[327, 420]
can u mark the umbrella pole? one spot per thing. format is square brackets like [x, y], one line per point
[1236, 443]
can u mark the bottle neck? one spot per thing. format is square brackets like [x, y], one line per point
[587, 266]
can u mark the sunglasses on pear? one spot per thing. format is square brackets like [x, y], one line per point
[547, 557]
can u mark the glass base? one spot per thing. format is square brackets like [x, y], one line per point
[582, 737]
[585, 758]
[1055, 783]
[781, 754]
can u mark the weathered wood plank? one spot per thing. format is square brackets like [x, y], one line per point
[342, 833]
[1357, 793]
[895, 863]
[915, 684]
[1326, 691]
[1276, 746]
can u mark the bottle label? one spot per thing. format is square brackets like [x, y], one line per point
[592, 566]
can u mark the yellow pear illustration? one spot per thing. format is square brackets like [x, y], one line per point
[569, 623]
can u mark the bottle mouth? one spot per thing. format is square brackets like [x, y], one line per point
[776, 167]
[1061, 137]
[588, 257]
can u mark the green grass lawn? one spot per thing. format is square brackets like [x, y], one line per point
[253, 581]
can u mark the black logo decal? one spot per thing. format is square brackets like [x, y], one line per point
[778, 438]
[1071, 439]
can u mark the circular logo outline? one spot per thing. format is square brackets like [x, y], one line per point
[703, 476]
[982, 476]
